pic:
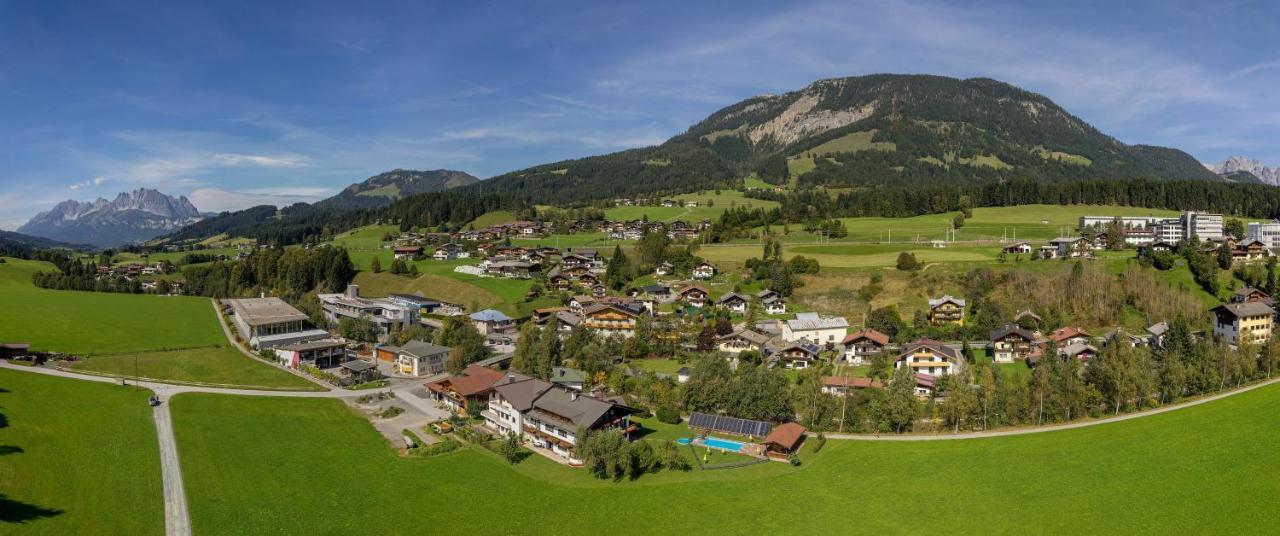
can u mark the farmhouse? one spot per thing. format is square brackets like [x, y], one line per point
[1080, 351]
[946, 310]
[548, 416]
[1017, 248]
[269, 322]
[664, 268]
[408, 252]
[816, 329]
[798, 355]
[472, 386]
[1248, 322]
[860, 345]
[772, 302]
[1251, 295]
[928, 357]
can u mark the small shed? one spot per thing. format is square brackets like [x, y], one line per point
[359, 370]
[784, 440]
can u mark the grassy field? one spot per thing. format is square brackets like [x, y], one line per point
[215, 364]
[99, 322]
[77, 457]
[492, 218]
[241, 456]
[174, 337]
[710, 206]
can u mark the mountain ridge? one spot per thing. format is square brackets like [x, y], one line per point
[134, 216]
[1236, 164]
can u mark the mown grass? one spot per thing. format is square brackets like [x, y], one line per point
[1116, 478]
[99, 322]
[492, 218]
[214, 364]
[77, 457]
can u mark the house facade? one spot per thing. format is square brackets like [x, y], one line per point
[946, 310]
[860, 345]
[1248, 322]
[928, 357]
[547, 416]
[1011, 342]
[814, 328]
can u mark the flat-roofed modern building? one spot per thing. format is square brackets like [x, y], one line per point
[270, 322]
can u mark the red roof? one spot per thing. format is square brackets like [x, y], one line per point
[925, 380]
[1062, 334]
[869, 334]
[474, 380]
[785, 436]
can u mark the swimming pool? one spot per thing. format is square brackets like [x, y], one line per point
[726, 445]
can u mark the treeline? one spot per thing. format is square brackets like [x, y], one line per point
[1253, 200]
[289, 272]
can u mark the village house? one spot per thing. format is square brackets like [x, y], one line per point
[844, 386]
[815, 328]
[471, 387]
[742, 340]
[447, 252]
[1011, 342]
[1248, 322]
[772, 302]
[269, 322]
[693, 296]
[860, 345]
[547, 416]
[733, 302]
[928, 357]
[946, 310]
[1251, 295]
[926, 385]
[1080, 351]
[1250, 251]
[569, 378]
[1072, 247]
[797, 355]
[1069, 335]
[609, 319]
[705, 270]
[664, 268]
[415, 358]
[492, 321]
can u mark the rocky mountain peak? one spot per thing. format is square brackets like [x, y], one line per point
[1269, 175]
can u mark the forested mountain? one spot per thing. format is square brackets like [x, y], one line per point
[885, 131]
[383, 188]
[17, 244]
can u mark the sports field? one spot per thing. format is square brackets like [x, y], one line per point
[77, 457]
[1196, 470]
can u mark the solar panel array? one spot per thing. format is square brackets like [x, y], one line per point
[731, 425]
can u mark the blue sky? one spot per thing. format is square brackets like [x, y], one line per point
[241, 103]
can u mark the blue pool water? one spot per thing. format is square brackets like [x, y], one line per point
[723, 444]
[683, 441]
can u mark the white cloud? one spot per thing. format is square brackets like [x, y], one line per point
[96, 181]
[233, 159]
[218, 199]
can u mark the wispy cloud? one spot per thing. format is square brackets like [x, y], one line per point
[1255, 68]
[232, 159]
[96, 181]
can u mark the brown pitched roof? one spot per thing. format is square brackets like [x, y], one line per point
[1062, 334]
[786, 436]
[474, 380]
[869, 334]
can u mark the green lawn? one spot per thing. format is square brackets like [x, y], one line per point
[77, 457]
[215, 364]
[492, 218]
[1196, 470]
[99, 322]
[665, 366]
[710, 206]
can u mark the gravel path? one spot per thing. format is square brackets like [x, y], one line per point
[177, 522]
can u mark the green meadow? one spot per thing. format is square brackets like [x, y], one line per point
[1195, 470]
[77, 457]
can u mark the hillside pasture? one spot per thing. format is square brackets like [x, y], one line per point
[221, 365]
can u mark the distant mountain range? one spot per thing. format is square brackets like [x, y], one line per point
[131, 217]
[383, 188]
[16, 243]
[1238, 165]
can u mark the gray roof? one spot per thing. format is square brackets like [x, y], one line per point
[423, 349]
[1246, 309]
[490, 315]
[313, 345]
[565, 405]
[1077, 348]
[1011, 329]
[357, 365]
[732, 295]
[263, 311]
[944, 299]
[520, 390]
[807, 321]
[1159, 328]
[751, 336]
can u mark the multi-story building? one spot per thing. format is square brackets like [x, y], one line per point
[1268, 233]
[928, 357]
[1248, 322]
[946, 310]
[385, 314]
[612, 319]
[269, 322]
[816, 329]
[548, 416]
